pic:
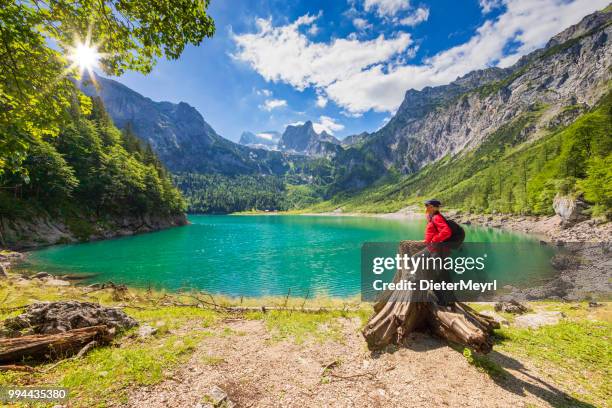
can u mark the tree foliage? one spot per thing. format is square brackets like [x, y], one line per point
[88, 171]
[218, 194]
[36, 88]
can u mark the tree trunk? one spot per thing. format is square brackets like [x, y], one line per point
[398, 313]
[48, 346]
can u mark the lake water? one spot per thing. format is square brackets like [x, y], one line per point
[253, 255]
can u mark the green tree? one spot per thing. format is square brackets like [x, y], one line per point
[36, 91]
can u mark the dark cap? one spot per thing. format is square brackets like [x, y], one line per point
[433, 202]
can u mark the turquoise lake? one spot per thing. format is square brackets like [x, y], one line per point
[257, 255]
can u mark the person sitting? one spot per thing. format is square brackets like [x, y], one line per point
[437, 229]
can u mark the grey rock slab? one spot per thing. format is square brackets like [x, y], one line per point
[536, 320]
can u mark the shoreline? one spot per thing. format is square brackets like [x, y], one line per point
[545, 228]
[586, 278]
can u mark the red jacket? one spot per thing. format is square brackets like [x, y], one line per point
[437, 229]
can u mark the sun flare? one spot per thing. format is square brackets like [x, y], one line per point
[85, 56]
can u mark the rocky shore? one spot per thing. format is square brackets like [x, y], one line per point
[548, 228]
[23, 234]
[583, 260]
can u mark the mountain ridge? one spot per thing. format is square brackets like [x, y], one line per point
[450, 119]
[180, 136]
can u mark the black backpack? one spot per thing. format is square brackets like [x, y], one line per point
[457, 233]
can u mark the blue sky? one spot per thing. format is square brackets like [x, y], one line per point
[344, 64]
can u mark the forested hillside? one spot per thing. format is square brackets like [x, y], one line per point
[66, 172]
[304, 184]
[88, 177]
[508, 173]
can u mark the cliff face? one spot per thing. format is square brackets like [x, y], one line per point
[573, 70]
[180, 136]
[303, 139]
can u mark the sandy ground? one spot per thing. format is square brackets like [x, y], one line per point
[256, 371]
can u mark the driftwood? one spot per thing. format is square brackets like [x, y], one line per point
[13, 367]
[46, 346]
[398, 313]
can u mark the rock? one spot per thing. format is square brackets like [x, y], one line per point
[564, 261]
[535, 320]
[42, 275]
[499, 319]
[56, 282]
[58, 317]
[511, 306]
[595, 304]
[10, 256]
[569, 209]
[217, 396]
[146, 331]
[3, 271]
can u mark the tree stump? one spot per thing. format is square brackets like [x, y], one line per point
[398, 313]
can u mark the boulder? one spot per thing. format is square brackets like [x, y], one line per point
[42, 275]
[146, 330]
[569, 209]
[499, 319]
[511, 306]
[59, 317]
[56, 282]
[217, 396]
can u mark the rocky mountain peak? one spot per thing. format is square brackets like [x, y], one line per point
[435, 122]
[303, 139]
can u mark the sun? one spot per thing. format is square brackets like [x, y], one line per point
[85, 56]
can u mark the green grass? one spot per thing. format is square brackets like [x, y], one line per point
[212, 360]
[106, 373]
[571, 352]
[301, 326]
[575, 354]
[484, 364]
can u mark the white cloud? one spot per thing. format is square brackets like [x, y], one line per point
[321, 101]
[361, 23]
[327, 124]
[283, 54]
[384, 122]
[267, 136]
[270, 104]
[264, 92]
[386, 7]
[351, 114]
[489, 5]
[313, 30]
[374, 74]
[418, 16]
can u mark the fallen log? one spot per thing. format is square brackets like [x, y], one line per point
[50, 346]
[13, 367]
[399, 313]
